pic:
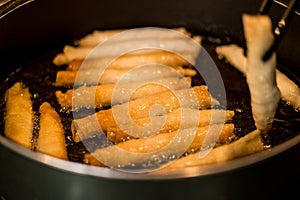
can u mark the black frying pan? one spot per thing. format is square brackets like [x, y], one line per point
[35, 32]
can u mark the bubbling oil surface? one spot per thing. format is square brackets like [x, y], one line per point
[39, 76]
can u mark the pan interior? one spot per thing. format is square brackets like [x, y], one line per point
[39, 75]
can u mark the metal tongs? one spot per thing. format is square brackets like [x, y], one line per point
[7, 6]
[282, 25]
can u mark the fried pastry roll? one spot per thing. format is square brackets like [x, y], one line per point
[289, 91]
[261, 74]
[197, 97]
[129, 61]
[19, 115]
[234, 55]
[136, 150]
[249, 144]
[103, 94]
[85, 77]
[98, 36]
[173, 121]
[109, 76]
[51, 139]
[113, 49]
[71, 53]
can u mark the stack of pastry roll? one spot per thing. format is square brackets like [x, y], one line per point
[144, 103]
[19, 123]
[124, 52]
[137, 128]
[99, 72]
[145, 96]
[135, 36]
[140, 108]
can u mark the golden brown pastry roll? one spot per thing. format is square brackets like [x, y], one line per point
[130, 61]
[173, 121]
[197, 97]
[84, 77]
[51, 139]
[99, 36]
[119, 45]
[19, 115]
[136, 150]
[249, 144]
[113, 75]
[101, 95]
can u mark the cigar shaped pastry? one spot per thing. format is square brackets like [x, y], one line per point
[115, 49]
[51, 139]
[180, 118]
[261, 75]
[19, 115]
[136, 150]
[101, 95]
[88, 77]
[197, 97]
[98, 36]
[289, 91]
[129, 61]
[111, 75]
[249, 144]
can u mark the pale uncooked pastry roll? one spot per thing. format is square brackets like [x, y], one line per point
[51, 139]
[136, 150]
[180, 118]
[18, 115]
[261, 74]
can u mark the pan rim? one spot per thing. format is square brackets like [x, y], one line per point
[107, 173]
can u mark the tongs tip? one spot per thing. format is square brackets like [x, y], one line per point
[281, 25]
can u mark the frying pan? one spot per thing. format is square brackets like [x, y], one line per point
[41, 26]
